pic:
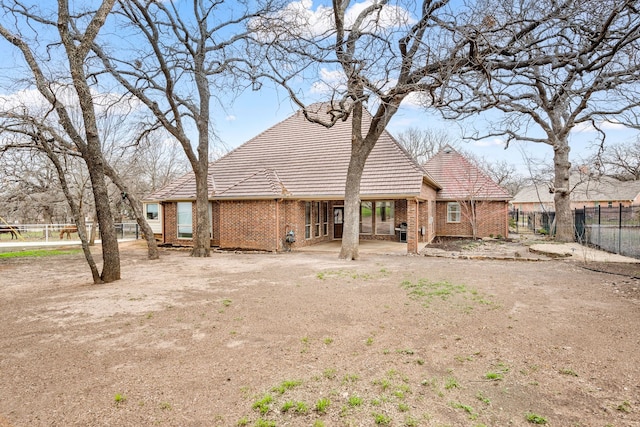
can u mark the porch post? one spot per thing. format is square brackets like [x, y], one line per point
[412, 226]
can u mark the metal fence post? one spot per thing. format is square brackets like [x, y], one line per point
[620, 228]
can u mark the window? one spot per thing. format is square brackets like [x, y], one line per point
[152, 211]
[185, 220]
[325, 218]
[307, 220]
[366, 218]
[317, 212]
[385, 218]
[453, 212]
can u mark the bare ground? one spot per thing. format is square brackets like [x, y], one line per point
[387, 340]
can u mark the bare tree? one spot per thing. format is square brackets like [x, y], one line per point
[579, 68]
[180, 55]
[502, 172]
[423, 144]
[621, 160]
[75, 31]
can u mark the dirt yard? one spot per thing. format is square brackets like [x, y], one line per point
[304, 339]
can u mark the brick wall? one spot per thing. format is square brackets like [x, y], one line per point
[249, 224]
[492, 219]
[170, 224]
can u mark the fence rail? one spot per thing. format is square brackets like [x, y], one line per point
[58, 232]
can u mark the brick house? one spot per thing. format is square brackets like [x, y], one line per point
[587, 190]
[291, 177]
[469, 203]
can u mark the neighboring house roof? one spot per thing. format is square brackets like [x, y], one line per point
[300, 159]
[462, 180]
[588, 190]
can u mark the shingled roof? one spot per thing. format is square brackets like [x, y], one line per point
[299, 159]
[587, 189]
[462, 180]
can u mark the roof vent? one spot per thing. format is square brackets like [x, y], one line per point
[447, 149]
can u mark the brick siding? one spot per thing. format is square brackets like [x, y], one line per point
[493, 219]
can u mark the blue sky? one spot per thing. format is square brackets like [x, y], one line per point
[254, 112]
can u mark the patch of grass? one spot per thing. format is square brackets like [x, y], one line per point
[289, 404]
[383, 383]
[329, 373]
[493, 376]
[482, 398]
[566, 371]
[39, 253]
[328, 341]
[263, 404]
[427, 291]
[244, 421]
[119, 398]
[369, 341]
[322, 405]
[381, 419]
[350, 378]
[318, 423]
[468, 409]
[410, 422]
[165, 406]
[535, 418]
[301, 408]
[286, 385]
[354, 401]
[624, 406]
[403, 407]
[226, 302]
[451, 383]
[264, 423]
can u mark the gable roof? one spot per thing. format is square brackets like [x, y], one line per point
[462, 180]
[587, 189]
[299, 159]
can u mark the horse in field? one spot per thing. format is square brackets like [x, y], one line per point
[7, 229]
[68, 230]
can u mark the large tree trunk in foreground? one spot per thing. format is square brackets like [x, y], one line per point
[201, 234]
[351, 231]
[562, 196]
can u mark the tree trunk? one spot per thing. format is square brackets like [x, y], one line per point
[562, 196]
[110, 251]
[136, 206]
[351, 231]
[202, 237]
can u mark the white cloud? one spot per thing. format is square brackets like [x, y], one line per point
[300, 17]
[604, 125]
[329, 82]
[489, 142]
[230, 118]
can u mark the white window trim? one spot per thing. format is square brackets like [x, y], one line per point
[178, 223]
[457, 212]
